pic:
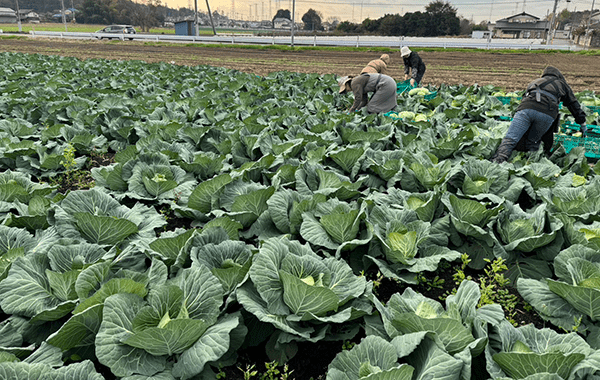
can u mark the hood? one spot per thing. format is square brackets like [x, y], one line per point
[552, 71]
[385, 58]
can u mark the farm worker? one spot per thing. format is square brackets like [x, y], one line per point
[413, 64]
[382, 86]
[537, 117]
[377, 66]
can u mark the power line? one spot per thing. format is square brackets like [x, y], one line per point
[395, 3]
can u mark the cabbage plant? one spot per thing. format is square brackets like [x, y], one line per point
[530, 353]
[372, 358]
[460, 329]
[572, 300]
[406, 245]
[523, 232]
[98, 218]
[301, 294]
[409, 356]
[336, 225]
[175, 329]
[146, 177]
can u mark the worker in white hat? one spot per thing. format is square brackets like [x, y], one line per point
[413, 64]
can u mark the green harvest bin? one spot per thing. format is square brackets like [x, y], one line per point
[568, 127]
[402, 87]
[508, 99]
[590, 144]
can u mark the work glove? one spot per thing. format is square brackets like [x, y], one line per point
[405, 76]
[412, 82]
[583, 129]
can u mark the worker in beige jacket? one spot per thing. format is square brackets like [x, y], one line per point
[377, 66]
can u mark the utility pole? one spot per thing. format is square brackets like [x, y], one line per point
[73, 12]
[552, 23]
[211, 19]
[293, 20]
[361, 7]
[64, 17]
[196, 26]
[19, 16]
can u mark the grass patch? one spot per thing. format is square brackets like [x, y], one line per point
[373, 49]
[12, 37]
[92, 28]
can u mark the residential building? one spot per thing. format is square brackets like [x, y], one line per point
[522, 25]
[8, 16]
[28, 15]
[282, 23]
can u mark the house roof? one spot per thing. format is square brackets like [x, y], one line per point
[282, 19]
[7, 10]
[519, 15]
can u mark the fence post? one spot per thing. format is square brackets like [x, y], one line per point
[315, 41]
[357, 37]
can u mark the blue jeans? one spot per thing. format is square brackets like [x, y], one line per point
[529, 123]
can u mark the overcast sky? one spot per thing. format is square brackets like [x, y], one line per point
[358, 10]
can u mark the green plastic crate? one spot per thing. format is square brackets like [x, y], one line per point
[508, 99]
[432, 95]
[402, 87]
[593, 108]
[568, 127]
[590, 144]
[389, 114]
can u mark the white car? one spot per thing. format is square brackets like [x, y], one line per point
[115, 29]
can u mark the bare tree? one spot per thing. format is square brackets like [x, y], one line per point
[146, 14]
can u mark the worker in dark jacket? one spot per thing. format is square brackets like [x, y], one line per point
[413, 64]
[537, 117]
[383, 87]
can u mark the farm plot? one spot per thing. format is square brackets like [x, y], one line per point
[175, 222]
[509, 70]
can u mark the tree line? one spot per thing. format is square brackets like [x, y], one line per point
[439, 19]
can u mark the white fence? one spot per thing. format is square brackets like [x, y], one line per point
[355, 41]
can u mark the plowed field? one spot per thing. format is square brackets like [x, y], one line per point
[511, 71]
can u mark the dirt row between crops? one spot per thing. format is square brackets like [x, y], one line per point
[510, 71]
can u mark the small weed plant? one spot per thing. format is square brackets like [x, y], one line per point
[272, 372]
[72, 178]
[494, 289]
[492, 284]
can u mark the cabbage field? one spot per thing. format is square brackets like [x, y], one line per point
[169, 222]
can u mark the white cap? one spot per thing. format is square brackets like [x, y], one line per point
[404, 51]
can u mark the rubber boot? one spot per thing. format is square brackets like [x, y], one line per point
[504, 150]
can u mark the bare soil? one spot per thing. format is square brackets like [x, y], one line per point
[508, 70]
